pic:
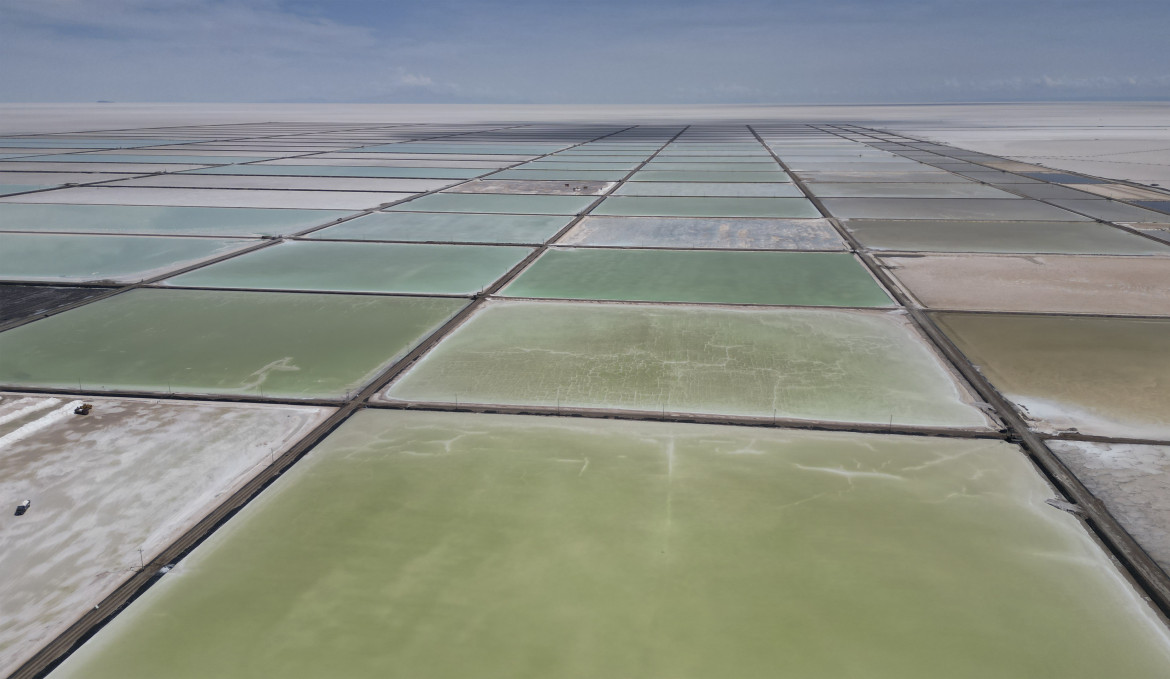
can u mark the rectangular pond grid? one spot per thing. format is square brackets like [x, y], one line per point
[335, 256]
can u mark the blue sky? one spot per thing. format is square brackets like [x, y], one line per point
[584, 52]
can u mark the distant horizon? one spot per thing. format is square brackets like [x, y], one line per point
[730, 104]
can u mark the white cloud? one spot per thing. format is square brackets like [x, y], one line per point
[192, 50]
[611, 51]
[1139, 85]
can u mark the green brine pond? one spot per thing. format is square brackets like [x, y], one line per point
[497, 203]
[79, 258]
[171, 221]
[1088, 238]
[438, 227]
[790, 278]
[816, 364]
[415, 544]
[361, 267]
[704, 232]
[695, 206]
[293, 345]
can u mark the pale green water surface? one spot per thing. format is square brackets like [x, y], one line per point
[708, 176]
[554, 164]
[769, 190]
[447, 226]
[221, 342]
[533, 172]
[790, 278]
[851, 366]
[346, 171]
[666, 163]
[694, 206]
[361, 267]
[498, 203]
[705, 232]
[9, 189]
[171, 221]
[441, 147]
[144, 158]
[78, 258]
[414, 544]
[1088, 238]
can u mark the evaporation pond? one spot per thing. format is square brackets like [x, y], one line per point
[9, 189]
[343, 171]
[361, 267]
[130, 475]
[437, 227]
[465, 149]
[210, 221]
[293, 345]
[536, 174]
[983, 209]
[700, 232]
[789, 278]
[816, 364]
[774, 190]
[78, 258]
[1041, 283]
[694, 206]
[708, 176]
[969, 189]
[497, 203]
[1104, 376]
[1088, 238]
[512, 547]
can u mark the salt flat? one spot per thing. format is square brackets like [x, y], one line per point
[1118, 140]
[131, 475]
